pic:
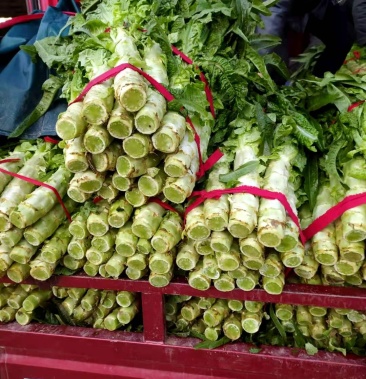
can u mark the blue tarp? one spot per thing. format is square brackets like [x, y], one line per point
[21, 80]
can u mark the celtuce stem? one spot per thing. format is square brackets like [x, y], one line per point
[75, 155]
[147, 220]
[120, 123]
[168, 138]
[196, 227]
[119, 213]
[169, 233]
[97, 139]
[70, 124]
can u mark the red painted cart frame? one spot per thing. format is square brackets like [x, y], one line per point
[44, 351]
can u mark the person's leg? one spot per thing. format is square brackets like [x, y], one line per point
[337, 33]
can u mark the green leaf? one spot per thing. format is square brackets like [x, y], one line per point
[277, 323]
[212, 344]
[233, 176]
[299, 337]
[258, 62]
[255, 350]
[311, 349]
[31, 51]
[61, 270]
[311, 179]
[265, 125]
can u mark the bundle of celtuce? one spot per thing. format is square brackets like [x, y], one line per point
[71, 306]
[255, 322]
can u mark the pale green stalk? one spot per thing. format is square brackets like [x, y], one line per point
[249, 281]
[134, 274]
[284, 312]
[144, 246]
[203, 247]
[138, 261]
[187, 256]
[273, 286]
[160, 280]
[12, 167]
[70, 124]
[56, 247]
[10, 237]
[105, 242]
[135, 197]
[75, 155]
[272, 266]
[229, 261]
[97, 222]
[149, 117]
[225, 283]
[147, 220]
[119, 213]
[217, 313]
[168, 138]
[120, 123]
[251, 321]
[17, 190]
[162, 263]
[35, 299]
[138, 145]
[152, 183]
[354, 219]
[122, 183]
[169, 233]
[87, 181]
[107, 160]
[22, 252]
[98, 257]
[78, 247]
[18, 272]
[126, 240]
[294, 257]
[272, 215]
[72, 263]
[196, 227]
[324, 242]
[132, 168]
[116, 265]
[210, 267]
[97, 139]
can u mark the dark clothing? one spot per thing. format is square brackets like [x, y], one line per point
[337, 26]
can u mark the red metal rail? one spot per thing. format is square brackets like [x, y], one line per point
[299, 294]
[39, 351]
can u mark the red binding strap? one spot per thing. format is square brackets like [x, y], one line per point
[36, 183]
[202, 78]
[51, 140]
[168, 96]
[333, 213]
[97, 199]
[203, 195]
[355, 105]
[164, 205]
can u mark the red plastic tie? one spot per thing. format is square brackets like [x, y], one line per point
[168, 96]
[203, 195]
[51, 140]
[333, 213]
[97, 199]
[164, 205]
[356, 57]
[37, 183]
[9, 160]
[355, 105]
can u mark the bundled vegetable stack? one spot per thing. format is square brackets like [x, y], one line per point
[223, 321]
[112, 239]
[72, 306]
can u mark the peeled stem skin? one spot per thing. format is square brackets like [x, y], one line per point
[272, 215]
[120, 124]
[47, 225]
[169, 233]
[70, 124]
[17, 190]
[41, 200]
[75, 155]
[324, 244]
[168, 138]
[149, 117]
[354, 220]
